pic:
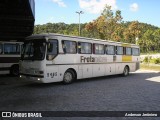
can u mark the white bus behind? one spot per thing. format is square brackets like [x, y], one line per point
[10, 53]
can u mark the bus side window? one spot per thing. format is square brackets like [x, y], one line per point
[84, 48]
[120, 50]
[110, 50]
[17, 49]
[1, 48]
[10, 48]
[52, 49]
[128, 51]
[98, 49]
[7, 48]
[69, 47]
[135, 51]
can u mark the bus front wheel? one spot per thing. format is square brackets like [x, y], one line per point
[126, 71]
[68, 77]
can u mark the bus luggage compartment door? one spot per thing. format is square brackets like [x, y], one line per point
[87, 71]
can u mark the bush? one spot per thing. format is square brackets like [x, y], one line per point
[147, 59]
[156, 60]
[150, 60]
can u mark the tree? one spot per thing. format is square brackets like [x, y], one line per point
[147, 42]
[106, 24]
[156, 43]
[132, 32]
[111, 27]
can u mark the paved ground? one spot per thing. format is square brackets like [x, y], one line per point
[138, 92]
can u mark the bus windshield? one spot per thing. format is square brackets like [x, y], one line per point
[34, 50]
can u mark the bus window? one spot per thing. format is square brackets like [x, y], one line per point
[110, 50]
[119, 50]
[27, 52]
[135, 51]
[1, 48]
[11, 48]
[98, 49]
[33, 50]
[17, 48]
[69, 47]
[84, 48]
[52, 49]
[128, 51]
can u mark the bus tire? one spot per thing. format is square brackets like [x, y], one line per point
[68, 77]
[14, 70]
[126, 71]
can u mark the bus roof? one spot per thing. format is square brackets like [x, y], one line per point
[45, 35]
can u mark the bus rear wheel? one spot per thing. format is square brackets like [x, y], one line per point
[126, 71]
[14, 70]
[69, 76]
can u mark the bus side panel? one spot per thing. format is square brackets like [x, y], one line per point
[110, 69]
[118, 64]
[136, 60]
[52, 73]
[119, 68]
[132, 67]
[87, 70]
[4, 72]
[98, 70]
[80, 72]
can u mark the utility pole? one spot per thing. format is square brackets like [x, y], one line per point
[80, 12]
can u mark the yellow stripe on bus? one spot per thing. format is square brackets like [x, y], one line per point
[126, 58]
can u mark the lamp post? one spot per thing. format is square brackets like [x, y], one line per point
[80, 12]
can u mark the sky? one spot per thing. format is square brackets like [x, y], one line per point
[55, 11]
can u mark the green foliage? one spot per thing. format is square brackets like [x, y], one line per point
[109, 26]
[155, 60]
[147, 59]
[151, 60]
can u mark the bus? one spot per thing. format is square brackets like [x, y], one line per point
[54, 57]
[10, 53]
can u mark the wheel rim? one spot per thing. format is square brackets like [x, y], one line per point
[68, 77]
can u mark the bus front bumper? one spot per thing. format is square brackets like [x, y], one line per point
[35, 78]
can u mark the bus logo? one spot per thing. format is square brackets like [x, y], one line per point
[6, 114]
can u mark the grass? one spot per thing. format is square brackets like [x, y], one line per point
[150, 67]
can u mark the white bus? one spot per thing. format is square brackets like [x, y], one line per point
[54, 57]
[10, 53]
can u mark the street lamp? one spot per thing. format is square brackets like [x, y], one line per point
[80, 12]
